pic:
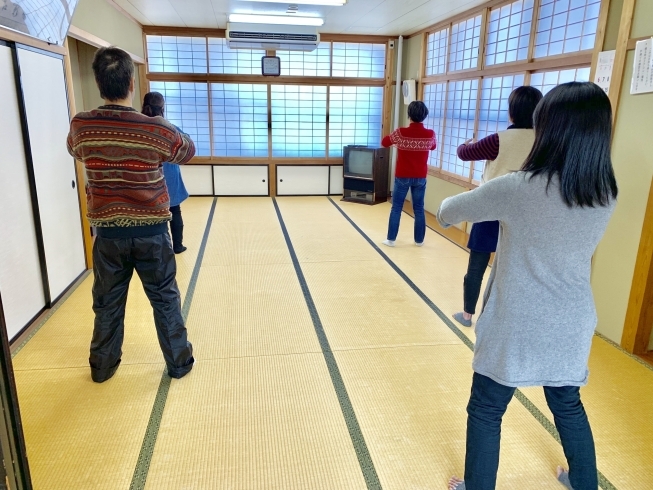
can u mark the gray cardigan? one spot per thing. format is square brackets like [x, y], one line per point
[538, 310]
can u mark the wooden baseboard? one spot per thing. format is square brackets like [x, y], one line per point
[452, 234]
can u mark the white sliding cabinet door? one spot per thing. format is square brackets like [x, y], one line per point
[20, 273]
[46, 104]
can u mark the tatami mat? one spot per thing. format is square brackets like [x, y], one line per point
[81, 435]
[411, 405]
[255, 423]
[260, 411]
[266, 414]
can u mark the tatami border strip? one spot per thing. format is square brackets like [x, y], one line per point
[149, 440]
[52, 311]
[533, 410]
[360, 446]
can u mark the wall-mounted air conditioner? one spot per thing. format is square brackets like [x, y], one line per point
[272, 37]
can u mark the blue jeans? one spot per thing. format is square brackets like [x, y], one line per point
[487, 404]
[417, 189]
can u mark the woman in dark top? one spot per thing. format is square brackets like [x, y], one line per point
[503, 152]
[153, 105]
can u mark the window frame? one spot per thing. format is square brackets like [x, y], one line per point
[385, 82]
[574, 60]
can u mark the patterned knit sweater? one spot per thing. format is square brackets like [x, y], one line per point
[122, 151]
[413, 145]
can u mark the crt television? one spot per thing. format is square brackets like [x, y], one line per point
[359, 161]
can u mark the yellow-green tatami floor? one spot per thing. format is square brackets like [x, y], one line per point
[322, 362]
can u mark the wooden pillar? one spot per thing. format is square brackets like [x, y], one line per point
[79, 166]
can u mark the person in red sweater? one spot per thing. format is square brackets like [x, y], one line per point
[128, 204]
[413, 145]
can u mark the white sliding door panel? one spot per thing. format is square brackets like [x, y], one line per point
[241, 180]
[197, 179]
[293, 180]
[20, 273]
[46, 104]
[335, 180]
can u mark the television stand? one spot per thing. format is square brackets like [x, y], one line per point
[369, 189]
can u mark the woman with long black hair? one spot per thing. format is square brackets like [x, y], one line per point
[538, 318]
[154, 105]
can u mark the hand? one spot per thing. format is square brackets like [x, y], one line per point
[470, 140]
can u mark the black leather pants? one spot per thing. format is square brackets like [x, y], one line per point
[114, 261]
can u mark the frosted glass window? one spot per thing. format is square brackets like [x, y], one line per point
[566, 26]
[493, 113]
[307, 64]
[240, 119]
[187, 106]
[298, 121]
[436, 52]
[465, 39]
[434, 98]
[172, 54]
[509, 32]
[459, 125]
[360, 60]
[355, 117]
[224, 60]
[546, 80]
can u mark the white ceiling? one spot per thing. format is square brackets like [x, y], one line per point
[381, 17]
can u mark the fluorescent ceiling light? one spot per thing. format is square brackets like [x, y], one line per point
[335, 3]
[277, 19]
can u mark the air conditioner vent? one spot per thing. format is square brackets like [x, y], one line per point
[273, 36]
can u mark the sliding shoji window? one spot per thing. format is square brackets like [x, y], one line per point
[298, 120]
[355, 117]
[307, 64]
[361, 60]
[545, 81]
[464, 45]
[459, 124]
[509, 32]
[224, 60]
[436, 52]
[434, 98]
[187, 106]
[240, 119]
[172, 54]
[566, 26]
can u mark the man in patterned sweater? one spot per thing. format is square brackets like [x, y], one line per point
[128, 204]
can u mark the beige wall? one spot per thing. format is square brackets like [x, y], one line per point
[616, 255]
[643, 19]
[614, 263]
[102, 20]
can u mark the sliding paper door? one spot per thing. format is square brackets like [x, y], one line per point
[20, 273]
[46, 104]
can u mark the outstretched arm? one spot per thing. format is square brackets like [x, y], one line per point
[485, 149]
[489, 202]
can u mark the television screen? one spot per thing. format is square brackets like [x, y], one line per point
[360, 162]
[48, 21]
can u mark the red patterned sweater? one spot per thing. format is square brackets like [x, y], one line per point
[413, 145]
[122, 151]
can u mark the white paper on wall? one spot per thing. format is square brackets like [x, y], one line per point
[604, 70]
[642, 81]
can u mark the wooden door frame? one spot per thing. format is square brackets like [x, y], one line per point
[639, 316]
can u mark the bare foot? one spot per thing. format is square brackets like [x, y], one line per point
[467, 316]
[456, 483]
